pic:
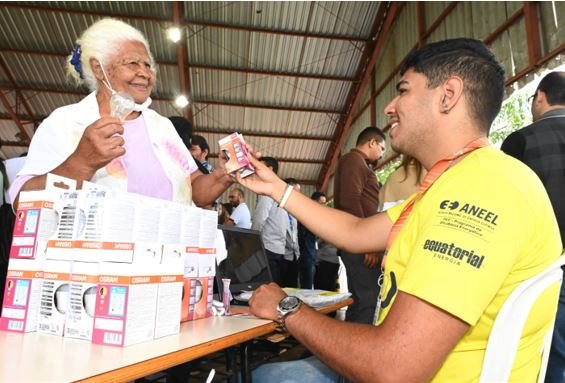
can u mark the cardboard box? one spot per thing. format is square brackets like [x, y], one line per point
[36, 219]
[169, 299]
[83, 286]
[126, 304]
[55, 297]
[199, 296]
[22, 295]
[235, 150]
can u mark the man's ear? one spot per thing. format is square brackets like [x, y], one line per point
[96, 68]
[452, 90]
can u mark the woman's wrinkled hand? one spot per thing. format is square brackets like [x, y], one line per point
[100, 143]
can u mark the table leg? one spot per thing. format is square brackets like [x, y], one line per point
[244, 361]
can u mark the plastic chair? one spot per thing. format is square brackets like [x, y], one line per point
[509, 323]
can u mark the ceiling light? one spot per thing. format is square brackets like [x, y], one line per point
[174, 34]
[181, 101]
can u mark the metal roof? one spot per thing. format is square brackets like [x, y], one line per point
[280, 73]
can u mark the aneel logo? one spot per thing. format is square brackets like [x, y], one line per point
[454, 251]
[469, 209]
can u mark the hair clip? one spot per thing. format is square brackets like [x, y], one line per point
[75, 59]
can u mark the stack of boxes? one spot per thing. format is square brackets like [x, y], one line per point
[107, 267]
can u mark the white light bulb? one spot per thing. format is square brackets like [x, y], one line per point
[181, 101]
[174, 34]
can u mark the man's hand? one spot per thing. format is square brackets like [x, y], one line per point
[372, 260]
[264, 181]
[264, 301]
[100, 143]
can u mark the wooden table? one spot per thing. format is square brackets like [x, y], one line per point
[37, 357]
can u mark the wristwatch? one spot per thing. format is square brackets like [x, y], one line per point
[286, 307]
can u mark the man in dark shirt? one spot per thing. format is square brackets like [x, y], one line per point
[356, 190]
[541, 146]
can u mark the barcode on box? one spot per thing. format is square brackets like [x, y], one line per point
[16, 325]
[112, 338]
[25, 251]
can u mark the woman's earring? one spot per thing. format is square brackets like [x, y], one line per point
[445, 109]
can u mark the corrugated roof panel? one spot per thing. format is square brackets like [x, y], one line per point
[344, 18]
[335, 57]
[217, 46]
[321, 94]
[278, 15]
[235, 13]
[45, 103]
[271, 90]
[36, 71]
[275, 52]
[218, 117]
[167, 85]
[8, 130]
[218, 85]
[312, 124]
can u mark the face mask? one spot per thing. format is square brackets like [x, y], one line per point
[121, 103]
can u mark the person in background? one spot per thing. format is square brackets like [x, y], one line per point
[6, 228]
[289, 272]
[401, 183]
[541, 146]
[200, 151]
[140, 152]
[224, 211]
[442, 287]
[356, 191]
[184, 130]
[240, 217]
[272, 222]
[327, 267]
[307, 242]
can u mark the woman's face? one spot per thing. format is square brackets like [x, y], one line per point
[130, 71]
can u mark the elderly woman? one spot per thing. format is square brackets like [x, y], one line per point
[140, 153]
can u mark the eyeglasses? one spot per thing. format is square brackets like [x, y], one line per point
[532, 97]
[137, 64]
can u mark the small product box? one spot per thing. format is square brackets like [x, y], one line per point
[55, 297]
[235, 150]
[36, 219]
[169, 298]
[80, 316]
[22, 295]
[126, 304]
[200, 297]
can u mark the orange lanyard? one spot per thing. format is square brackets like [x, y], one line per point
[435, 172]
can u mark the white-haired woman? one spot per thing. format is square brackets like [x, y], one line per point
[139, 153]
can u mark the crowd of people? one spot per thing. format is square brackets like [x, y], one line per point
[427, 277]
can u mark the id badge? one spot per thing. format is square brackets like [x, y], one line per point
[378, 307]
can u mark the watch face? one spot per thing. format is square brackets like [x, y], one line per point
[289, 303]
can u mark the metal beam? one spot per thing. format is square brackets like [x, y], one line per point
[248, 28]
[182, 60]
[504, 26]
[45, 8]
[195, 101]
[14, 143]
[532, 31]
[272, 107]
[205, 66]
[343, 130]
[14, 116]
[286, 160]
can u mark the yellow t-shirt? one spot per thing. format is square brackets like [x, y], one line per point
[482, 228]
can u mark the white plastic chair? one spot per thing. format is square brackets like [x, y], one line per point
[509, 323]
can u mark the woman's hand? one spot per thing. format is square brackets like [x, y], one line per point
[100, 143]
[264, 181]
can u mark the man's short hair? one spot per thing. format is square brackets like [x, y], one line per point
[369, 133]
[474, 63]
[272, 163]
[317, 195]
[291, 181]
[238, 192]
[201, 142]
[183, 128]
[553, 85]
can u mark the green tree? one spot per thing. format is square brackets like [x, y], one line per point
[514, 114]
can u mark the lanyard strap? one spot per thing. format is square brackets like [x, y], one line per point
[435, 172]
